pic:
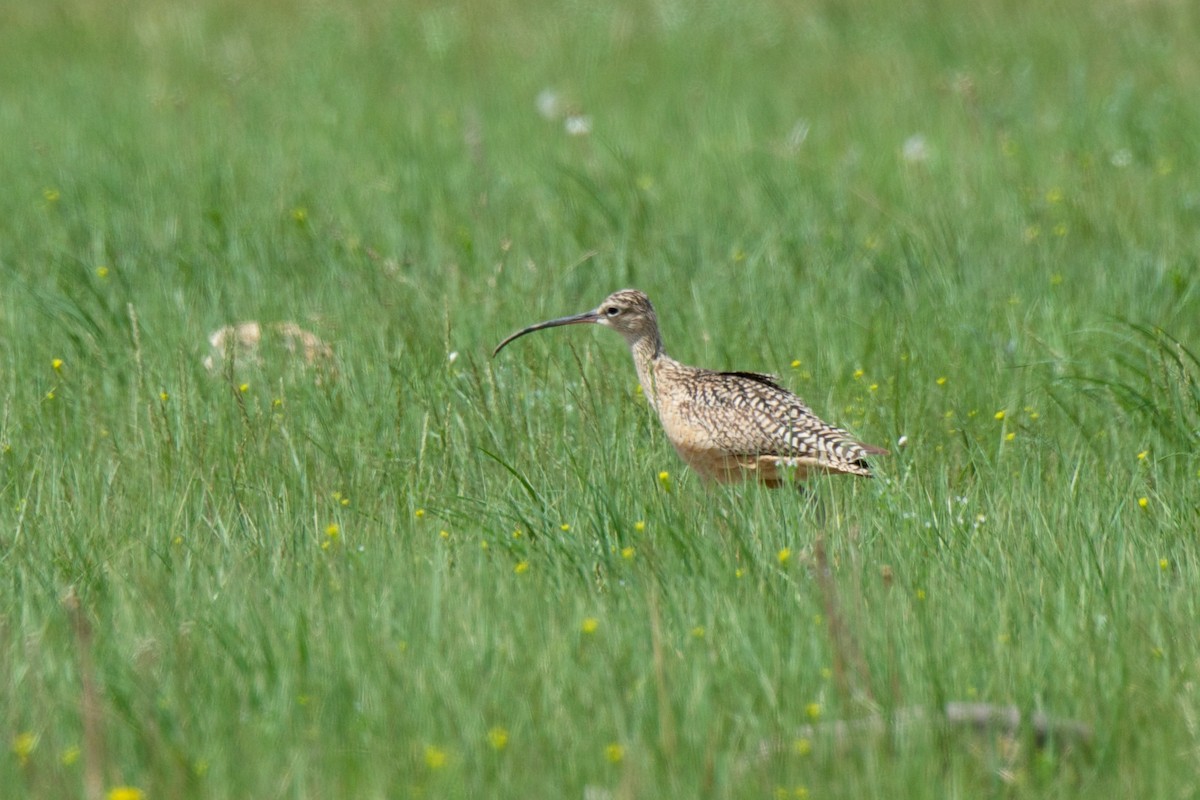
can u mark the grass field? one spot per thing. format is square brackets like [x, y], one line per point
[425, 573]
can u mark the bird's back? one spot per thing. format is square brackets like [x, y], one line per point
[733, 425]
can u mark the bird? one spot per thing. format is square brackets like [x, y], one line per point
[727, 426]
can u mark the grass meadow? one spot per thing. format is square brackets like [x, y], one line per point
[420, 572]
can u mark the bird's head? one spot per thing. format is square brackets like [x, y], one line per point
[628, 312]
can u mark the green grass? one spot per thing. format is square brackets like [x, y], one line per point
[381, 175]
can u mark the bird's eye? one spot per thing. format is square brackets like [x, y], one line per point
[612, 311]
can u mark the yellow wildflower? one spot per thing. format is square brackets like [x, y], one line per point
[1143, 455]
[56, 364]
[999, 415]
[589, 625]
[101, 272]
[784, 555]
[614, 753]
[245, 387]
[1008, 437]
[435, 757]
[521, 567]
[802, 746]
[125, 793]
[941, 381]
[332, 530]
[813, 710]
[498, 738]
[627, 553]
[639, 526]
[419, 513]
[564, 527]
[1143, 502]
[23, 745]
[698, 632]
[796, 363]
[1163, 564]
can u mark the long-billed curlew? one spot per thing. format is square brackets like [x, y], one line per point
[728, 426]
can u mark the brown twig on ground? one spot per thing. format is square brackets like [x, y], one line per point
[90, 708]
[666, 720]
[981, 718]
[846, 653]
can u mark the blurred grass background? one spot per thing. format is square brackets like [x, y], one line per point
[975, 227]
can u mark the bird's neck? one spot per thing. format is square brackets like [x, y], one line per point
[646, 353]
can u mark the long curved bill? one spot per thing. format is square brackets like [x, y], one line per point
[574, 319]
